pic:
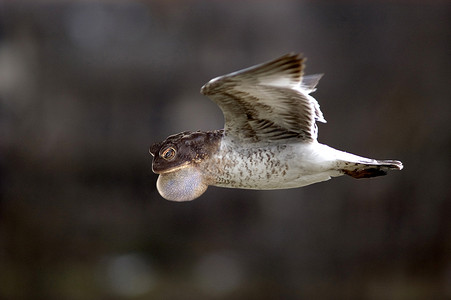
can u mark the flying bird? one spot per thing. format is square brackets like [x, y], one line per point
[269, 140]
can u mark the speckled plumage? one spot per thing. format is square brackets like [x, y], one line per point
[269, 140]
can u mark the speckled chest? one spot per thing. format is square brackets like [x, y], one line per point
[263, 167]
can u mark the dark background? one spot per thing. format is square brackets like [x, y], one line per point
[86, 88]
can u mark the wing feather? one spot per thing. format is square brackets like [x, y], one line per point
[268, 102]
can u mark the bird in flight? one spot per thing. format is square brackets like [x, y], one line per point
[269, 140]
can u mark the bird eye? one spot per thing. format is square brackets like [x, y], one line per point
[168, 154]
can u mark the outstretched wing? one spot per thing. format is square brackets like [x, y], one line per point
[268, 102]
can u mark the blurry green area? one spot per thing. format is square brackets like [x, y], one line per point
[87, 87]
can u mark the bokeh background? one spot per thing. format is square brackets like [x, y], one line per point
[87, 87]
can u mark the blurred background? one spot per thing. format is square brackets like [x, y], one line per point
[86, 88]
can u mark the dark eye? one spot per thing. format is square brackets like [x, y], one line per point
[169, 153]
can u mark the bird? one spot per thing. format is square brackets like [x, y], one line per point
[269, 140]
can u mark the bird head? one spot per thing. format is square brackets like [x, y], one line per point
[179, 162]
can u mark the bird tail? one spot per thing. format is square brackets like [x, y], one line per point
[367, 168]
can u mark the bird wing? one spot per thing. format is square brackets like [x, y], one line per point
[268, 102]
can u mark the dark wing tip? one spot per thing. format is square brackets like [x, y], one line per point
[290, 64]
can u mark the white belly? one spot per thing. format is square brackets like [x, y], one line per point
[273, 167]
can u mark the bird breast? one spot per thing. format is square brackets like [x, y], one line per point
[254, 168]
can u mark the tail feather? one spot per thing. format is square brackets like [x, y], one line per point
[369, 169]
